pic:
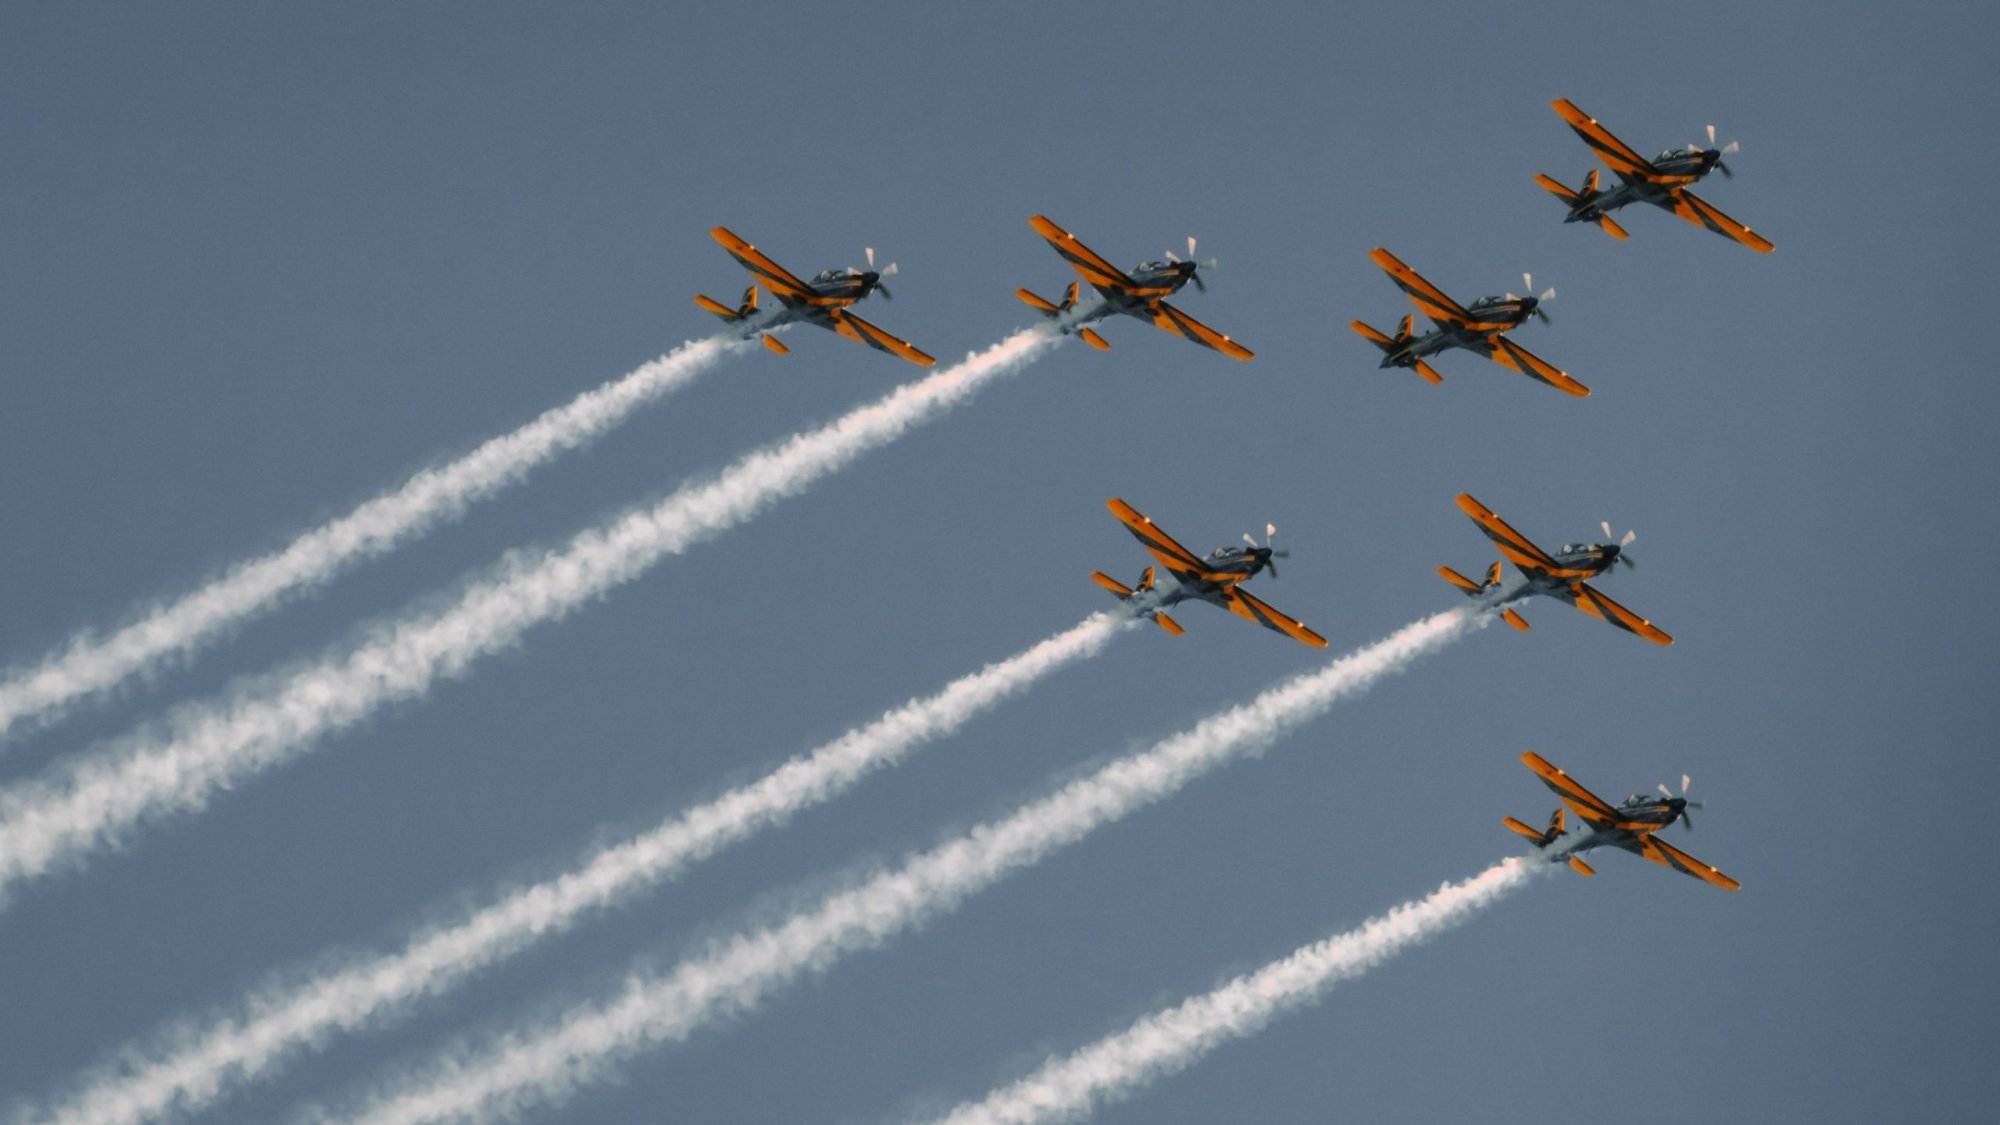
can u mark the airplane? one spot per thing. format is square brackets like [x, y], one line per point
[1215, 579]
[1140, 293]
[1481, 328]
[1630, 825]
[822, 301]
[1559, 576]
[1662, 181]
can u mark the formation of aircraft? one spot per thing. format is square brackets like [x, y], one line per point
[823, 301]
[1141, 293]
[1480, 328]
[1560, 575]
[1662, 181]
[1216, 579]
[1630, 825]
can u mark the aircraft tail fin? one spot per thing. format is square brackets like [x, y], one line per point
[747, 309]
[1045, 306]
[1582, 204]
[1581, 868]
[1540, 839]
[1466, 585]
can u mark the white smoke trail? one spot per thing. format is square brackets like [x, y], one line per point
[190, 1068]
[533, 1065]
[90, 664]
[212, 745]
[1160, 1044]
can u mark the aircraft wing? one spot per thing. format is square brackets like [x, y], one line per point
[1429, 299]
[1100, 274]
[1507, 353]
[855, 328]
[1179, 561]
[1591, 807]
[1614, 152]
[1170, 319]
[1244, 604]
[772, 275]
[1666, 855]
[1702, 213]
[1592, 601]
[1517, 547]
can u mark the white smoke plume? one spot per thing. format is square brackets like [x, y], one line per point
[90, 800]
[532, 1065]
[1068, 1088]
[190, 1068]
[90, 664]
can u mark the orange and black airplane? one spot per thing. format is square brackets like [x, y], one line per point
[1662, 181]
[1630, 825]
[1480, 328]
[822, 301]
[1560, 575]
[1141, 293]
[1215, 579]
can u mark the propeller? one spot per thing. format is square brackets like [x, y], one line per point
[1270, 530]
[1624, 542]
[874, 276]
[1198, 265]
[1686, 817]
[1729, 149]
[1549, 294]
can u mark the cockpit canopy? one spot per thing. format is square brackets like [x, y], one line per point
[840, 274]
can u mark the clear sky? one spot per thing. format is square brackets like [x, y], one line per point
[259, 265]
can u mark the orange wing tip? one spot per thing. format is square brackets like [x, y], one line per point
[1577, 865]
[1310, 637]
[1381, 257]
[776, 345]
[1090, 336]
[1514, 619]
[1047, 229]
[1472, 507]
[920, 357]
[1169, 624]
[1237, 351]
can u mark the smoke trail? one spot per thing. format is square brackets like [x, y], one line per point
[533, 1065]
[189, 1069]
[1171, 1040]
[213, 745]
[89, 664]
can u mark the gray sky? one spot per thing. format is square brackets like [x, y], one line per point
[260, 266]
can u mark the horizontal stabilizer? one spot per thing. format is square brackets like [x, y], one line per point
[776, 345]
[1554, 187]
[1471, 588]
[1090, 336]
[1111, 584]
[1372, 335]
[1520, 829]
[1169, 624]
[1608, 226]
[1429, 373]
[717, 307]
[1514, 619]
[1577, 865]
[1039, 304]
